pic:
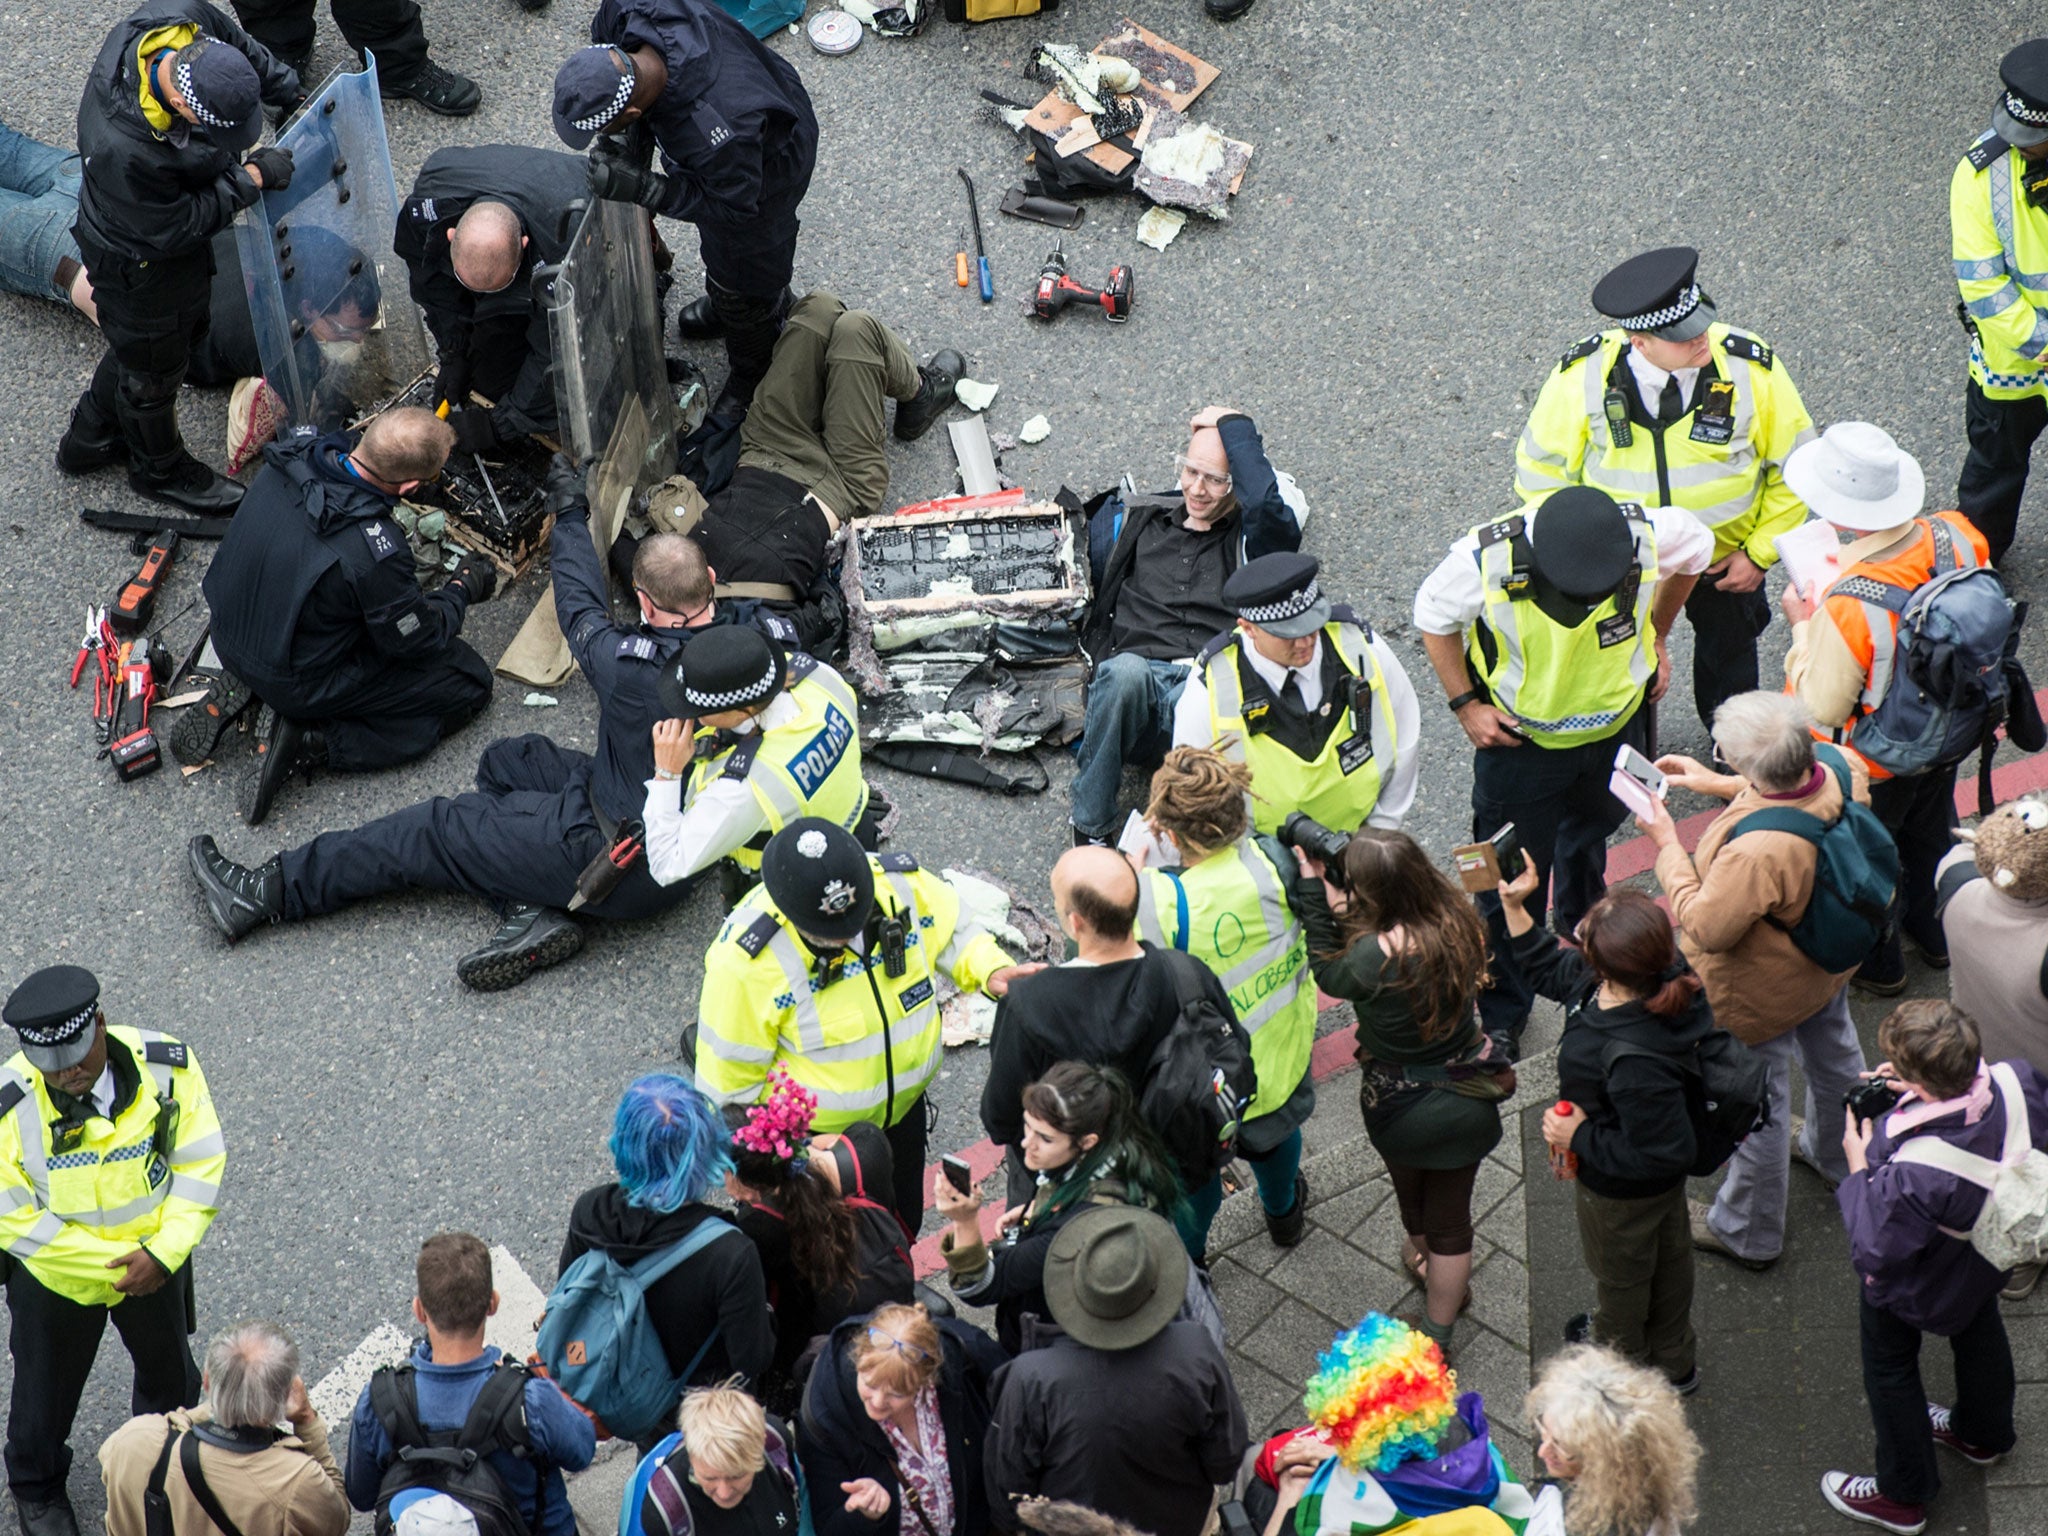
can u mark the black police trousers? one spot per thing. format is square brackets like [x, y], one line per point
[1725, 626]
[153, 314]
[521, 839]
[390, 29]
[398, 712]
[54, 1339]
[1563, 812]
[1920, 814]
[1994, 476]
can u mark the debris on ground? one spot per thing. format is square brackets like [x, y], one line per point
[1191, 165]
[1036, 430]
[540, 701]
[1023, 931]
[1159, 225]
[974, 394]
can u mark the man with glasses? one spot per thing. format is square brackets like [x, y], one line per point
[1159, 563]
[541, 813]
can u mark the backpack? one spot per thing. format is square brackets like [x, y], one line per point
[457, 1461]
[1199, 1079]
[1855, 873]
[2012, 1228]
[599, 1345]
[1727, 1091]
[654, 1479]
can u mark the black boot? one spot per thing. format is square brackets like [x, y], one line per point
[46, 1517]
[239, 899]
[283, 747]
[438, 90]
[752, 322]
[530, 939]
[196, 736]
[163, 469]
[1287, 1228]
[698, 320]
[91, 442]
[915, 416]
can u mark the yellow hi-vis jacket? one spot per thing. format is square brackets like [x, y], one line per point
[1723, 460]
[865, 1042]
[148, 1178]
[1565, 686]
[1230, 912]
[1999, 240]
[810, 767]
[1340, 785]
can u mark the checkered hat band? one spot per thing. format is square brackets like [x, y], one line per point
[2025, 111]
[750, 694]
[183, 75]
[62, 1030]
[612, 108]
[1291, 606]
[1670, 314]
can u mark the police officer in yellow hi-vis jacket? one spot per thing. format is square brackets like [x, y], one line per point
[828, 971]
[1547, 630]
[779, 740]
[1308, 697]
[1998, 227]
[1671, 408]
[110, 1169]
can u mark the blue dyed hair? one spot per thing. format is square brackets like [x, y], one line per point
[669, 1143]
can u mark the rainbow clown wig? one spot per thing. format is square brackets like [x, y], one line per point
[1381, 1395]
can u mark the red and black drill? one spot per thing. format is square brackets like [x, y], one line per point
[1056, 290]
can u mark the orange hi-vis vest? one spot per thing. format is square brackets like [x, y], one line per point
[1948, 541]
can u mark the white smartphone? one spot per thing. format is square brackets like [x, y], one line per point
[1637, 782]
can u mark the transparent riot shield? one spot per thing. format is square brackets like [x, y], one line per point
[335, 324]
[611, 383]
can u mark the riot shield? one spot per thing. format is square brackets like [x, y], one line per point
[335, 324]
[618, 418]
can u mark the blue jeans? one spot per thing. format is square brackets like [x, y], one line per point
[1130, 720]
[38, 206]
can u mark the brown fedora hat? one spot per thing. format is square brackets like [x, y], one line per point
[1115, 1276]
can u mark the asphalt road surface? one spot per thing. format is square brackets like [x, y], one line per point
[1434, 191]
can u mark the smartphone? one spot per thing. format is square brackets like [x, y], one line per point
[1507, 852]
[1637, 782]
[958, 1174]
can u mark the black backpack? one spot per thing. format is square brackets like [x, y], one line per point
[457, 1461]
[1726, 1092]
[1200, 1081]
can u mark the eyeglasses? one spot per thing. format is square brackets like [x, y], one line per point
[910, 1352]
[1190, 470]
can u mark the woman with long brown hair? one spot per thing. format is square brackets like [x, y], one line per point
[1388, 931]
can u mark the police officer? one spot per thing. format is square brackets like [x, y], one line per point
[389, 29]
[1672, 408]
[110, 1167]
[541, 813]
[781, 740]
[827, 971]
[738, 140]
[1547, 630]
[317, 611]
[1998, 223]
[170, 112]
[479, 219]
[1309, 697]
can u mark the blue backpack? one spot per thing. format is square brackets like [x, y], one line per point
[599, 1344]
[1855, 872]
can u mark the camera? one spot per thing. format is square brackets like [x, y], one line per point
[1870, 1097]
[1302, 831]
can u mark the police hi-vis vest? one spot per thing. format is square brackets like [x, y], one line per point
[1999, 242]
[1230, 912]
[1565, 686]
[860, 1030]
[1340, 785]
[809, 767]
[1743, 419]
[150, 1177]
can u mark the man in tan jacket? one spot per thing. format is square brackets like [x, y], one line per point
[268, 1482]
[1733, 900]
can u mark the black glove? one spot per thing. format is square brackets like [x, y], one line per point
[452, 382]
[564, 487]
[477, 577]
[616, 182]
[274, 165]
[473, 430]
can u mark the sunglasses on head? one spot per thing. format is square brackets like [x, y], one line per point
[882, 1340]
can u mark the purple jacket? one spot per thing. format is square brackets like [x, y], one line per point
[1895, 1212]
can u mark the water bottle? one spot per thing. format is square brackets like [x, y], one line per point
[1564, 1162]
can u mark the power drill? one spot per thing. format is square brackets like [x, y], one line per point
[1056, 290]
[132, 742]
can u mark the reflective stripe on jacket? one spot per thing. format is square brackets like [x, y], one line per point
[1999, 242]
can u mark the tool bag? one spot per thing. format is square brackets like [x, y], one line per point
[996, 10]
[2012, 1228]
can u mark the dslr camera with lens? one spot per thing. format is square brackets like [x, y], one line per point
[1303, 832]
[1870, 1097]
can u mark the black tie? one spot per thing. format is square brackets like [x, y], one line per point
[1671, 403]
[1290, 692]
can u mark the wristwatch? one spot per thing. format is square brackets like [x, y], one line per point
[663, 773]
[1469, 696]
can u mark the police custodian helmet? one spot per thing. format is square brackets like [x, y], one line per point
[819, 877]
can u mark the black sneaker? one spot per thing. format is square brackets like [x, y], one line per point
[915, 416]
[46, 1517]
[283, 747]
[1287, 1228]
[1882, 975]
[1687, 1384]
[1933, 952]
[530, 939]
[239, 899]
[1579, 1329]
[1226, 10]
[196, 736]
[438, 90]
[1089, 839]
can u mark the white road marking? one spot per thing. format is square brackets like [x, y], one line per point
[520, 1304]
[334, 1396]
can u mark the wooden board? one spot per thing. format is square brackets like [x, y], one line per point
[1156, 84]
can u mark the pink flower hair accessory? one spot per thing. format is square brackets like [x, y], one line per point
[780, 1125]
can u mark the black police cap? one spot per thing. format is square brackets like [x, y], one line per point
[1279, 593]
[53, 1004]
[1581, 542]
[2021, 113]
[819, 877]
[1656, 292]
[728, 666]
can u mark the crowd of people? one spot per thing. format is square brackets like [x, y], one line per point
[741, 1302]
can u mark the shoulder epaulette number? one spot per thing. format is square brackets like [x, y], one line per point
[1989, 147]
[1581, 349]
[167, 1053]
[898, 863]
[1633, 511]
[1344, 613]
[638, 646]
[1735, 344]
[1216, 647]
[1502, 531]
[758, 933]
[801, 665]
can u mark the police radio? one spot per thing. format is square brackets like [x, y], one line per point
[895, 959]
[1615, 403]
